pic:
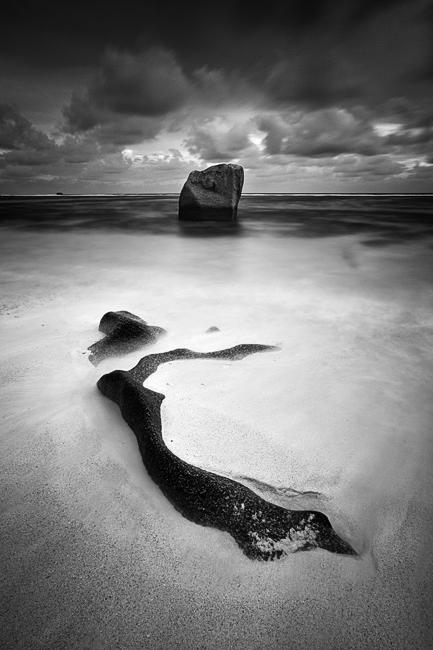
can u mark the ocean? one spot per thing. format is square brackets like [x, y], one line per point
[382, 218]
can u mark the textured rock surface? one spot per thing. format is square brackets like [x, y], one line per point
[212, 194]
[263, 530]
[125, 332]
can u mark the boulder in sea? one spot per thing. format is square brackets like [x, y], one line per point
[124, 333]
[212, 194]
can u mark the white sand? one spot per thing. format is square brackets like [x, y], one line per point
[92, 553]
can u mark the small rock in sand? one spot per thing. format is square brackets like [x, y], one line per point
[125, 332]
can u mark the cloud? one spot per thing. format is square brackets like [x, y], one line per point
[132, 97]
[356, 52]
[323, 72]
[290, 116]
[111, 164]
[407, 136]
[217, 87]
[281, 151]
[150, 83]
[32, 160]
[17, 133]
[219, 139]
[78, 150]
[324, 132]
[84, 117]
[128, 98]
[127, 130]
[32, 157]
[27, 152]
[81, 115]
[167, 170]
[371, 167]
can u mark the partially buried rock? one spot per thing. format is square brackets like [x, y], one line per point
[212, 194]
[125, 332]
[211, 330]
[262, 529]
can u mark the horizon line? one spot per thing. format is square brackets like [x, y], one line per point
[71, 194]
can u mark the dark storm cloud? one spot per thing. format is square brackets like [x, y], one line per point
[33, 161]
[25, 150]
[311, 55]
[319, 79]
[130, 95]
[151, 83]
[83, 115]
[127, 130]
[17, 133]
[352, 166]
[319, 52]
[325, 132]
[31, 157]
[343, 59]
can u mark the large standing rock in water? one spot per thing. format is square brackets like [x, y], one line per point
[212, 194]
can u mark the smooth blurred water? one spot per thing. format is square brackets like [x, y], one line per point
[380, 219]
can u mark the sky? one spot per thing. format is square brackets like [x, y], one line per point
[307, 95]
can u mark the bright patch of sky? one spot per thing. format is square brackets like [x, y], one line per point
[386, 128]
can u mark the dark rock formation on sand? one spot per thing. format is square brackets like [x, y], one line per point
[212, 194]
[263, 530]
[211, 330]
[125, 332]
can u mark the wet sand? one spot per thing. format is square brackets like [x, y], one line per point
[92, 553]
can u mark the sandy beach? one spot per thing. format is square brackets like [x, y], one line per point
[92, 553]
